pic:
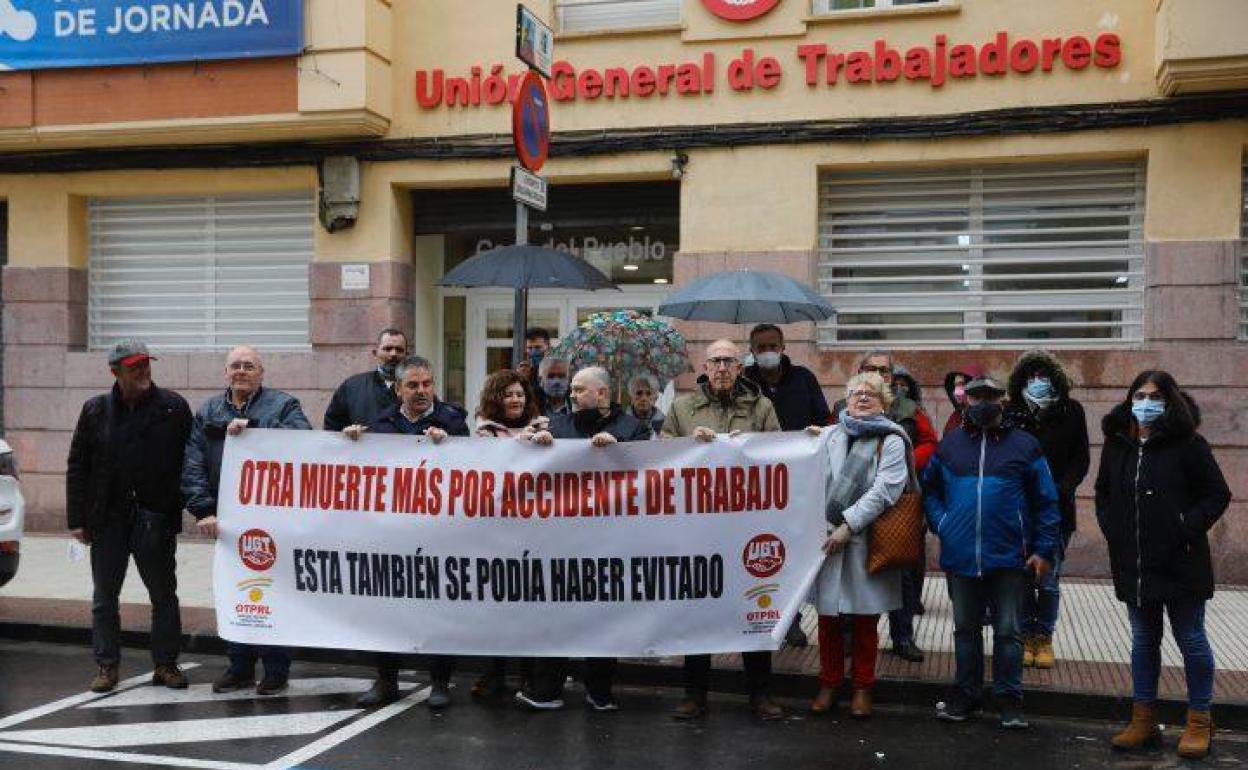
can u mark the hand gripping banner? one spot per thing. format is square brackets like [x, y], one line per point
[498, 547]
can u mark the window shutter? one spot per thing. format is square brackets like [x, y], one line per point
[201, 273]
[1243, 255]
[1005, 255]
[592, 15]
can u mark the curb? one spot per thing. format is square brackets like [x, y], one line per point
[912, 693]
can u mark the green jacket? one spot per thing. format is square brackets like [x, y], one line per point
[750, 411]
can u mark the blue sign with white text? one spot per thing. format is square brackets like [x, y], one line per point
[51, 34]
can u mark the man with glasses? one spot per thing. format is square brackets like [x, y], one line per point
[991, 500]
[918, 426]
[244, 404]
[725, 402]
[122, 499]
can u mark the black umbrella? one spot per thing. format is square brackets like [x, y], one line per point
[523, 267]
[527, 267]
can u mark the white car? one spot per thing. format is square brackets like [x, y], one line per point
[12, 513]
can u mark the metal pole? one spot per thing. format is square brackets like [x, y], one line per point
[520, 312]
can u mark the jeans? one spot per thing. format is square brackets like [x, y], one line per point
[1042, 602]
[970, 596]
[148, 537]
[864, 650]
[243, 660]
[901, 621]
[1187, 623]
[757, 674]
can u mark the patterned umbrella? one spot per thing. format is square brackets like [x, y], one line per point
[625, 343]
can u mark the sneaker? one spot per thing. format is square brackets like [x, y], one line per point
[385, 690]
[908, 651]
[688, 709]
[958, 708]
[608, 703]
[1012, 714]
[230, 681]
[105, 679]
[169, 675]
[528, 701]
[271, 685]
[439, 696]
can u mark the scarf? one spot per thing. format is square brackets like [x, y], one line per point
[858, 470]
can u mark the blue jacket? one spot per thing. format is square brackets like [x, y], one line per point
[201, 471]
[990, 498]
[448, 417]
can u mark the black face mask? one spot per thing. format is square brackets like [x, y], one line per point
[985, 414]
[587, 421]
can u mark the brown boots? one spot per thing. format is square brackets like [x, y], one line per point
[1038, 651]
[1197, 736]
[1143, 731]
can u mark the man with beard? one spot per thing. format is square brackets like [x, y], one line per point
[593, 417]
[362, 397]
[725, 402]
[418, 412]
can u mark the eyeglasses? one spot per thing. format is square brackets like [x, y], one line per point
[868, 394]
[880, 370]
[245, 366]
[722, 362]
[1142, 396]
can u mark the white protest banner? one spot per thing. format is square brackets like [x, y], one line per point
[498, 547]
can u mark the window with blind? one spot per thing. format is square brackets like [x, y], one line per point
[831, 6]
[1243, 255]
[1005, 255]
[601, 15]
[201, 273]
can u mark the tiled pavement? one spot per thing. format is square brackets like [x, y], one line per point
[1092, 643]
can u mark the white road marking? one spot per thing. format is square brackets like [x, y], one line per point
[74, 700]
[337, 737]
[202, 693]
[116, 756]
[185, 730]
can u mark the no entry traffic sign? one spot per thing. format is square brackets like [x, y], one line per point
[530, 123]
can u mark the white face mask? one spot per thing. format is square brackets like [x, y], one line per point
[768, 360]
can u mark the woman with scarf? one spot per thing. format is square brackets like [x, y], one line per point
[870, 460]
[508, 409]
[1040, 403]
[1158, 492]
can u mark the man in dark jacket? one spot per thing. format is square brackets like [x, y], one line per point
[362, 397]
[989, 497]
[1040, 403]
[246, 403]
[122, 499]
[596, 418]
[418, 412]
[799, 401]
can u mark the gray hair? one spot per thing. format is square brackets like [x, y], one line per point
[410, 363]
[547, 360]
[874, 382]
[645, 378]
[598, 375]
[874, 354]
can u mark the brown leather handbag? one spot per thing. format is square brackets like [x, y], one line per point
[895, 538]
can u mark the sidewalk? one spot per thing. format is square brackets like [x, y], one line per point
[49, 599]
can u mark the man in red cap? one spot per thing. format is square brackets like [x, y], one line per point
[122, 499]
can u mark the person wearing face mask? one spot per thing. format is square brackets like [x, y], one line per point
[990, 499]
[1158, 492]
[799, 401]
[536, 344]
[362, 397]
[604, 423]
[1040, 403]
[955, 389]
[554, 382]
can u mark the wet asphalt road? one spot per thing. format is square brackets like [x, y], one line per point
[319, 728]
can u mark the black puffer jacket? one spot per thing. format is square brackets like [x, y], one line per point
[798, 399]
[359, 400]
[1155, 503]
[165, 422]
[616, 421]
[1062, 428]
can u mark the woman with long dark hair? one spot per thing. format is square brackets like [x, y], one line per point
[1158, 491]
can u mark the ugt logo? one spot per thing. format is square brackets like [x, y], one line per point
[739, 10]
[257, 549]
[763, 555]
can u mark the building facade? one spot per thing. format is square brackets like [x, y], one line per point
[964, 180]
